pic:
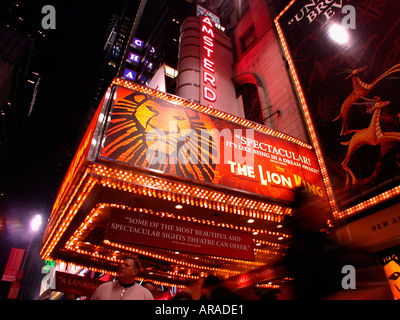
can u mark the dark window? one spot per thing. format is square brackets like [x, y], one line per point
[116, 51]
[248, 38]
[244, 7]
[251, 102]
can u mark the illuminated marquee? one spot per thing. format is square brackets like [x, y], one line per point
[209, 79]
[152, 133]
[225, 225]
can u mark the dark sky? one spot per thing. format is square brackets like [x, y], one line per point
[38, 152]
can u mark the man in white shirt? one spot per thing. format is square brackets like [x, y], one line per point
[125, 288]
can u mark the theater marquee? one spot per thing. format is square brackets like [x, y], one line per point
[148, 132]
[182, 186]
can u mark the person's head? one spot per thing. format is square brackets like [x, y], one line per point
[310, 211]
[211, 282]
[183, 295]
[151, 287]
[128, 270]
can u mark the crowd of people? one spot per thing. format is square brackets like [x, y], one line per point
[313, 261]
[127, 288]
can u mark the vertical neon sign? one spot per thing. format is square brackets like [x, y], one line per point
[209, 79]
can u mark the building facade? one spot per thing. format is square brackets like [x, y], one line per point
[236, 70]
[249, 77]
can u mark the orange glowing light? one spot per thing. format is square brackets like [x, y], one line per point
[71, 219]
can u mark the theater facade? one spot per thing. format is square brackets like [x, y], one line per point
[190, 186]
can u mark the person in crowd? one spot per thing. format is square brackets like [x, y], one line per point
[183, 295]
[213, 289]
[151, 287]
[125, 288]
[315, 260]
[311, 259]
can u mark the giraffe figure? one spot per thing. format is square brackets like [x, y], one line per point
[372, 135]
[360, 89]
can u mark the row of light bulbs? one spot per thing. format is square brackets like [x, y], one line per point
[72, 245]
[215, 112]
[86, 189]
[70, 201]
[179, 192]
[95, 213]
[58, 225]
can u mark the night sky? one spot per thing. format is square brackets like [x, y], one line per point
[37, 154]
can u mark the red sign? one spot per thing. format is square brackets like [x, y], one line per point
[261, 275]
[81, 286]
[13, 264]
[153, 231]
[14, 290]
[209, 79]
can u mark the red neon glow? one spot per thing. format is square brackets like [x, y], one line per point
[208, 41]
[206, 30]
[207, 21]
[209, 78]
[209, 51]
[209, 94]
[208, 64]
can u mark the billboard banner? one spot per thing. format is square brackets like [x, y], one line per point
[71, 283]
[177, 235]
[13, 264]
[345, 59]
[153, 133]
[253, 277]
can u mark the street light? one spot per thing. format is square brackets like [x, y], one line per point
[36, 222]
[35, 225]
[338, 34]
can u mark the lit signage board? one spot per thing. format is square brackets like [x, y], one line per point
[133, 57]
[390, 260]
[346, 68]
[130, 74]
[201, 11]
[137, 43]
[149, 65]
[172, 234]
[251, 278]
[122, 156]
[209, 84]
[152, 133]
[71, 283]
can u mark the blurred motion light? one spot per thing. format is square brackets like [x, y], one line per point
[338, 34]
